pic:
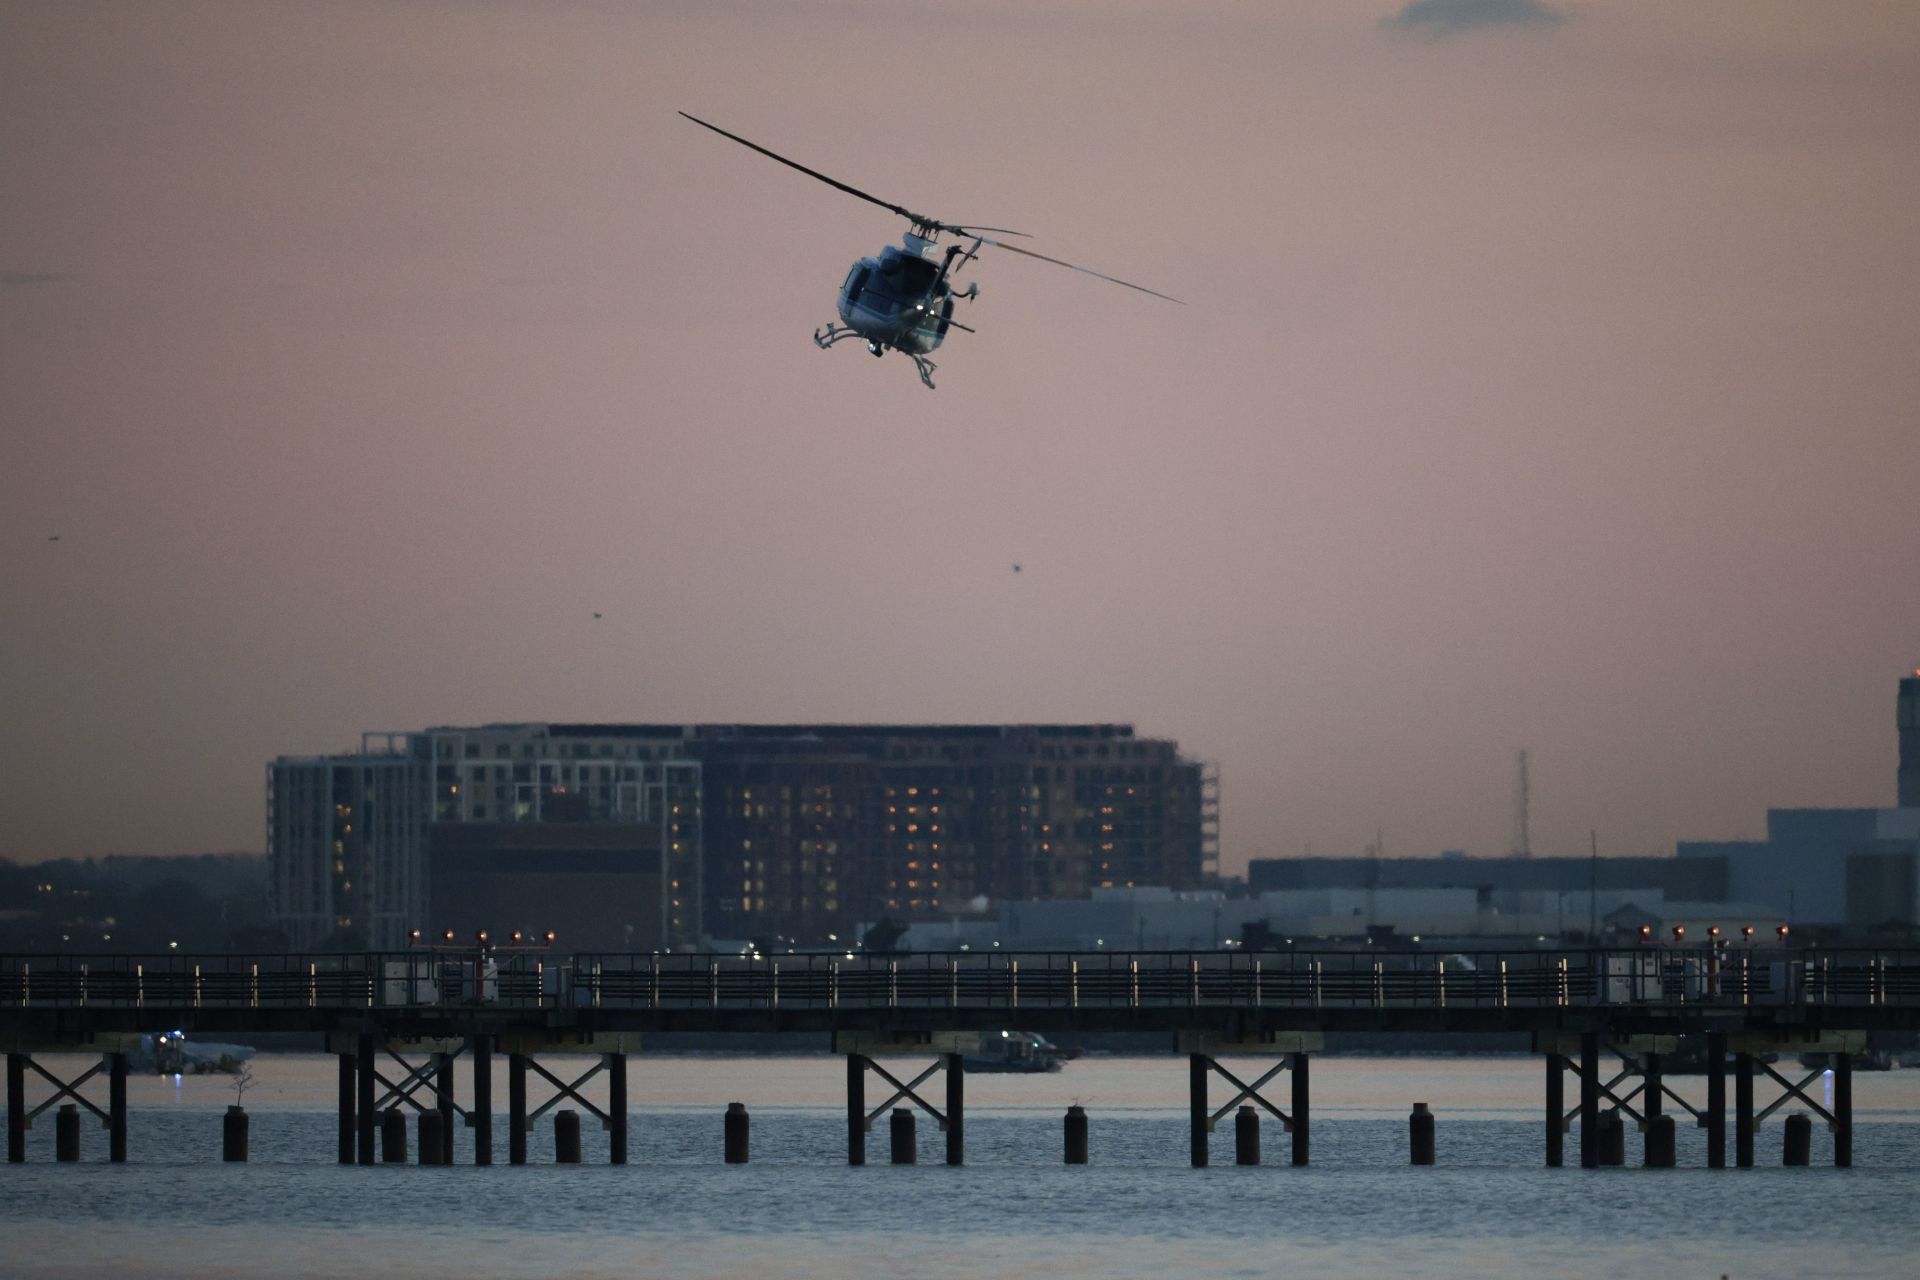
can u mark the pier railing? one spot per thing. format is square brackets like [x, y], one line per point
[1648, 977]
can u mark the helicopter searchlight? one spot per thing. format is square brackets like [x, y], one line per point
[902, 300]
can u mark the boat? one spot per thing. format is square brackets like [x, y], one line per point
[1014, 1051]
[170, 1053]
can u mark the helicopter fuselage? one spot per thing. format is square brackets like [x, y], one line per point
[901, 299]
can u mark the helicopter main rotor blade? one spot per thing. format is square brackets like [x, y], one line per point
[908, 214]
[1073, 266]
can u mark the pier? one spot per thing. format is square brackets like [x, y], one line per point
[401, 1024]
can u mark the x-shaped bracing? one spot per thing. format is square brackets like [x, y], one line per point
[62, 1089]
[564, 1090]
[415, 1079]
[1250, 1091]
[905, 1091]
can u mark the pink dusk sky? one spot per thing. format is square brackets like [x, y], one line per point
[1547, 380]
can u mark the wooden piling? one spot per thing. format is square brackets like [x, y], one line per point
[1197, 1068]
[516, 1108]
[1842, 1110]
[1246, 1136]
[66, 1133]
[956, 1109]
[444, 1104]
[1302, 1110]
[617, 1108]
[566, 1137]
[905, 1149]
[1420, 1140]
[1612, 1131]
[481, 1117]
[1076, 1134]
[393, 1136]
[737, 1132]
[856, 1109]
[1716, 1100]
[16, 1108]
[1743, 1123]
[1797, 1141]
[363, 1103]
[432, 1134]
[233, 1135]
[1556, 1110]
[1589, 1100]
[117, 1108]
[348, 1072]
[1660, 1143]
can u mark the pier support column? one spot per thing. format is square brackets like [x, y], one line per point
[363, 1106]
[856, 1109]
[1197, 1069]
[1842, 1110]
[117, 1108]
[1716, 1100]
[617, 1108]
[1589, 1100]
[1556, 1110]
[1650, 1111]
[482, 1115]
[956, 1109]
[1301, 1110]
[1743, 1125]
[16, 1108]
[516, 1108]
[347, 1072]
[443, 1101]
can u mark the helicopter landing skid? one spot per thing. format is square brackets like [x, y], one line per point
[824, 338]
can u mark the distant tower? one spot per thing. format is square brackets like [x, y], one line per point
[1908, 718]
[1522, 800]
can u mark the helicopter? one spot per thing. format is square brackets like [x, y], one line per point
[903, 299]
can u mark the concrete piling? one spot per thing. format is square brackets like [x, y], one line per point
[1797, 1141]
[1420, 1143]
[393, 1136]
[66, 1133]
[1246, 1136]
[1302, 1111]
[1076, 1134]
[233, 1136]
[738, 1132]
[346, 1104]
[905, 1149]
[856, 1109]
[566, 1137]
[117, 1108]
[432, 1134]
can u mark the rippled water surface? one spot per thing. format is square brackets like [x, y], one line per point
[1488, 1208]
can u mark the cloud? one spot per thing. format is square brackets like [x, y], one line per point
[1438, 19]
[22, 279]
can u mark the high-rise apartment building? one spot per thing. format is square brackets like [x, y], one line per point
[649, 835]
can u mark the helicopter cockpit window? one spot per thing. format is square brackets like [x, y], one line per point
[856, 280]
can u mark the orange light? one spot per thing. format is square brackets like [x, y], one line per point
[413, 935]
[549, 935]
[1713, 931]
[448, 935]
[516, 935]
[1679, 932]
[482, 935]
[1783, 933]
[1646, 931]
[1746, 931]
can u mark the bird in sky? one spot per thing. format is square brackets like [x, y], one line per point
[53, 537]
[596, 615]
[1016, 568]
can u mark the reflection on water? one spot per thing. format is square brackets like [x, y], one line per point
[677, 1211]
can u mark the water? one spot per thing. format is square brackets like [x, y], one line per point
[1488, 1209]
